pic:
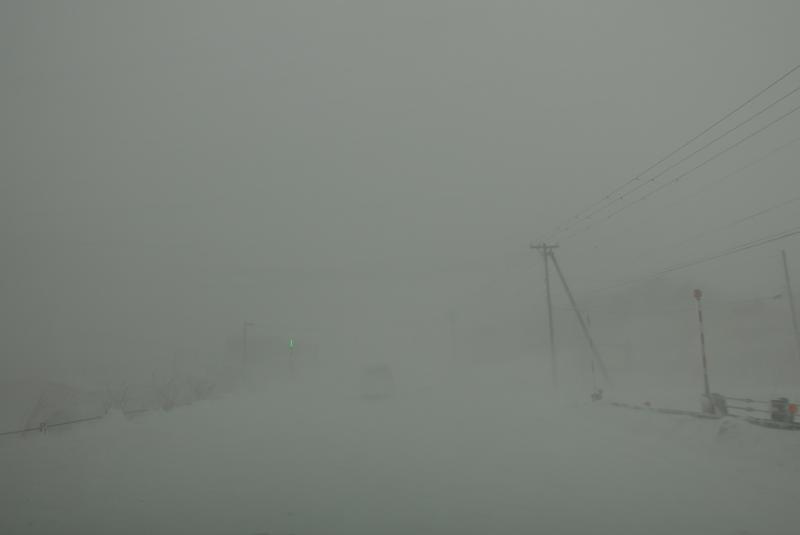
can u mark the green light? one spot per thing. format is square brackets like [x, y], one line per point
[291, 343]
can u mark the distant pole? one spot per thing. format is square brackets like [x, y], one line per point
[594, 372]
[791, 302]
[698, 296]
[545, 250]
[595, 353]
[451, 316]
[244, 341]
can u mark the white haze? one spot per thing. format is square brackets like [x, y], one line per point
[361, 181]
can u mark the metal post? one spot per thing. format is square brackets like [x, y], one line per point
[698, 295]
[791, 302]
[595, 353]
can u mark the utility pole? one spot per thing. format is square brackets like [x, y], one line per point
[546, 251]
[698, 295]
[791, 301]
[584, 327]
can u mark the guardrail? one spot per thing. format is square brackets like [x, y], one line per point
[778, 409]
[777, 413]
[760, 406]
[43, 427]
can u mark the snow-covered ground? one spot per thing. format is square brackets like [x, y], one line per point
[479, 451]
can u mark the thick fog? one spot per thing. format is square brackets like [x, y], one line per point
[267, 267]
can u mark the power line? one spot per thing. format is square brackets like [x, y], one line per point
[727, 252]
[638, 177]
[733, 250]
[718, 179]
[738, 170]
[713, 304]
[700, 165]
[619, 285]
[764, 211]
[612, 201]
[691, 154]
[740, 220]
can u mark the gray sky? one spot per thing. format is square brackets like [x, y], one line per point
[169, 169]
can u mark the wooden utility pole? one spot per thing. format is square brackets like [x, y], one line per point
[698, 295]
[790, 295]
[548, 256]
[546, 251]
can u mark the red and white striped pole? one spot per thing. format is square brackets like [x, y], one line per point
[698, 295]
